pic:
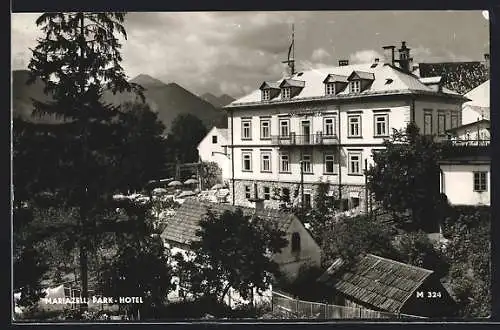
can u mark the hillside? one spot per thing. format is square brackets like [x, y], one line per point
[169, 100]
[217, 102]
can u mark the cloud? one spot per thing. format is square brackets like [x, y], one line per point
[233, 52]
[320, 55]
[364, 56]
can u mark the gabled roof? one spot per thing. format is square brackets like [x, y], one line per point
[361, 75]
[381, 283]
[270, 85]
[331, 78]
[183, 226]
[479, 96]
[314, 88]
[476, 123]
[292, 83]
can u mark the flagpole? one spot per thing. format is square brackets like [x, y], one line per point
[293, 49]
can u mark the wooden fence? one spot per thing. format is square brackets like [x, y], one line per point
[291, 308]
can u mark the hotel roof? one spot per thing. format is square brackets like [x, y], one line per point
[387, 79]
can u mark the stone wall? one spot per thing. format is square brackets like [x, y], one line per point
[240, 198]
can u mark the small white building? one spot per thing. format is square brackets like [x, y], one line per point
[213, 148]
[479, 105]
[301, 251]
[466, 165]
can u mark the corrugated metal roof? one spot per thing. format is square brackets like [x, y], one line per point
[379, 282]
[183, 226]
[314, 83]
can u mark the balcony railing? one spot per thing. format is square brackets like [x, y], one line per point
[304, 140]
[468, 143]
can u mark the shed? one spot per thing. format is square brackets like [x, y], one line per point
[387, 285]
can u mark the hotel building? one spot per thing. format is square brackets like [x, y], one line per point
[329, 120]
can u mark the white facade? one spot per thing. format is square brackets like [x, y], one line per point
[213, 148]
[466, 184]
[479, 105]
[335, 134]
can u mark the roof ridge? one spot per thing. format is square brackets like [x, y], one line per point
[401, 263]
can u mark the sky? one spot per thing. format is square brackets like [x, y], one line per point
[234, 52]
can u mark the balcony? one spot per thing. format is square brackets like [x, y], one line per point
[465, 148]
[293, 139]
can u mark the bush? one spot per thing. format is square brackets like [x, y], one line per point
[416, 249]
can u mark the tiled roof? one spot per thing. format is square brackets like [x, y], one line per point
[184, 225]
[458, 76]
[314, 84]
[292, 83]
[378, 282]
[270, 84]
[335, 78]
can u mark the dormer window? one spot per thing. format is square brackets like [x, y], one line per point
[285, 93]
[266, 95]
[355, 86]
[330, 89]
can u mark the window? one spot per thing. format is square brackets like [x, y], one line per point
[354, 163]
[284, 162]
[265, 129]
[267, 193]
[355, 86]
[441, 123]
[246, 130]
[306, 163]
[247, 192]
[381, 125]
[285, 195]
[265, 165]
[480, 181]
[266, 95]
[329, 164]
[295, 242]
[214, 139]
[354, 126]
[285, 93]
[428, 124]
[454, 120]
[330, 89]
[330, 126]
[247, 161]
[284, 127]
[307, 201]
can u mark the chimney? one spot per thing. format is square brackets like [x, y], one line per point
[343, 62]
[389, 54]
[487, 63]
[405, 62]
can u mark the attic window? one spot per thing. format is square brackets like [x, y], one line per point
[266, 95]
[329, 89]
[355, 86]
[388, 81]
[285, 93]
[300, 74]
[373, 65]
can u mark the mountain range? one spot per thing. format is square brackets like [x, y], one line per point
[168, 100]
[218, 102]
